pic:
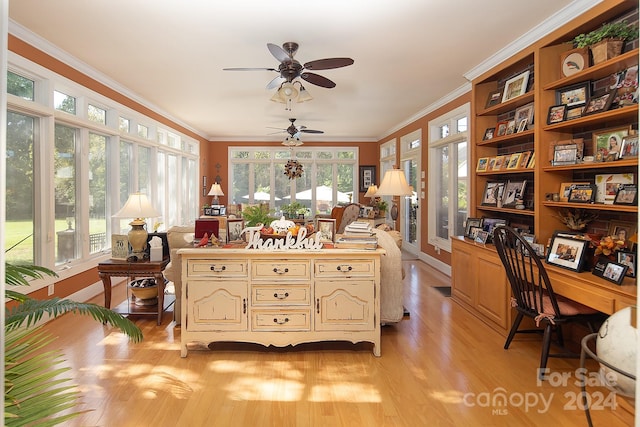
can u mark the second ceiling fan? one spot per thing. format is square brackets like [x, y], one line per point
[293, 137]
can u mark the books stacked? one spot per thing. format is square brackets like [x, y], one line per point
[358, 228]
[357, 235]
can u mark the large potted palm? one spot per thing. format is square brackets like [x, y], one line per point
[36, 391]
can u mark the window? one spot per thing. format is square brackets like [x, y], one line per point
[66, 236]
[64, 102]
[257, 176]
[20, 86]
[143, 131]
[97, 114]
[448, 176]
[124, 125]
[98, 191]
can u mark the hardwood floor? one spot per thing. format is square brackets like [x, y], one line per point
[439, 367]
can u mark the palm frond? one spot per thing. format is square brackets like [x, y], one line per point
[19, 274]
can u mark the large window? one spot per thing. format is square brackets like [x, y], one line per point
[257, 175]
[448, 176]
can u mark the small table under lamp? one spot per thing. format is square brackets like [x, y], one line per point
[137, 207]
[215, 191]
[394, 183]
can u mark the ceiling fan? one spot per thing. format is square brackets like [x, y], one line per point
[293, 137]
[291, 69]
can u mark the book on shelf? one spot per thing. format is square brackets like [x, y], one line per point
[357, 243]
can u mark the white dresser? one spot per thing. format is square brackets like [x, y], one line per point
[280, 298]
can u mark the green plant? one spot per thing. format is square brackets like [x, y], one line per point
[35, 390]
[293, 209]
[257, 214]
[382, 205]
[612, 30]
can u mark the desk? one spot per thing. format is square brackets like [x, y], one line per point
[119, 268]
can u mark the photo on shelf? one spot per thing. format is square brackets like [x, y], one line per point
[513, 191]
[501, 128]
[514, 161]
[505, 163]
[574, 113]
[492, 164]
[627, 194]
[567, 252]
[629, 147]
[498, 164]
[565, 190]
[574, 95]
[516, 86]
[532, 161]
[493, 98]
[492, 193]
[609, 270]
[524, 159]
[556, 114]
[482, 164]
[565, 155]
[609, 140]
[488, 224]
[522, 126]
[471, 223]
[607, 185]
[579, 142]
[488, 134]
[627, 86]
[511, 127]
[599, 102]
[630, 260]
[524, 113]
[481, 237]
[473, 232]
[585, 193]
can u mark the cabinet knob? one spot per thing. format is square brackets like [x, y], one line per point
[218, 269]
[280, 295]
[280, 321]
[280, 270]
[344, 268]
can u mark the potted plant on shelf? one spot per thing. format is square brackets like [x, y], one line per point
[607, 41]
[381, 206]
[292, 210]
[257, 214]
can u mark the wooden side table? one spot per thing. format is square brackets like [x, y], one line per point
[119, 268]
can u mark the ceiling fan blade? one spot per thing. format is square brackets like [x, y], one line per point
[249, 69]
[310, 131]
[276, 82]
[279, 53]
[328, 63]
[318, 80]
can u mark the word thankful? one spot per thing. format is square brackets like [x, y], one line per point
[301, 241]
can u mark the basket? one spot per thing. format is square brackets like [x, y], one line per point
[605, 50]
[145, 291]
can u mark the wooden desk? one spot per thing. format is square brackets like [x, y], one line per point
[119, 268]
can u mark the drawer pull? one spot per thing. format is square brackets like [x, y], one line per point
[279, 321]
[280, 270]
[281, 296]
[318, 305]
[344, 268]
[244, 306]
[217, 269]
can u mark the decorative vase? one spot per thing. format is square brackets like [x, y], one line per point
[606, 49]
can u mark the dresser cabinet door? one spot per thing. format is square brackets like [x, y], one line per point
[344, 305]
[217, 305]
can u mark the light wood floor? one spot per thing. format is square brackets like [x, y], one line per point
[439, 367]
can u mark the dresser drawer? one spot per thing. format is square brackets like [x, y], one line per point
[281, 320]
[280, 295]
[280, 269]
[216, 268]
[344, 268]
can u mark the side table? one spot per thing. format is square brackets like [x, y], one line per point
[119, 268]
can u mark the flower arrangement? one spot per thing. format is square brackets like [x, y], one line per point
[576, 219]
[608, 245]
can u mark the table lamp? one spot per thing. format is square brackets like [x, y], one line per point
[137, 207]
[394, 183]
[371, 193]
[216, 191]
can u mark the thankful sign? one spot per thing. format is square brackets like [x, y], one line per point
[289, 242]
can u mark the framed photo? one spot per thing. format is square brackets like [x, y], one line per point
[599, 102]
[505, 163]
[483, 162]
[215, 211]
[516, 86]
[571, 96]
[481, 237]
[473, 232]
[532, 161]
[574, 113]
[234, 230]
[629, 147]
[488, 134]
[557, 114]
[513, 191]
[522, 126]
[627, 194]
[492, 164]
[501, 128]
[367, 177]
[565, 154]
[585, 193]
[119, 246]
[498, 164]
[530, 238]
[607, 185]
[326, 228]
[573, 61]
[223, 210]
[492, 193]
[623, 230]
[488, 224]
[567, 252]
[612, 271]
[524, 113]
[472, 222]
[578, 142]
[630, 260]
[609, 140]
[511, 127]
[524, 159]
[514, 161]
[565, 189]
[493, 98]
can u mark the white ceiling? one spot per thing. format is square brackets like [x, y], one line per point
[409, 55]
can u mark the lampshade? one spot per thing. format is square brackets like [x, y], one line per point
[394, 183]
[292, 141]
[371, 191]
[304, 95]
[137, 207]
[216, 190]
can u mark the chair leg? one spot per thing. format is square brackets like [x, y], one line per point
[546, 345]
[560, 336]
[514, 329]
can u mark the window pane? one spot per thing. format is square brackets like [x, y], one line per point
[462, 124]
[462, 185]
[20, 86]
[444, 131]
[345, 182]
[172, 187]
[65, 193]
[144, 170]
[125, 181]
[143, 131]
[442, 193]
[123, 125]
[240, 182]
[98, 193]
[161, 186]
[97, 114]
[19, 226]
[64, 102]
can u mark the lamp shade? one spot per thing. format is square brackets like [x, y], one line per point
[394, 183]
[216, 190]
[137, 206]
[371, 191]
[304, 95]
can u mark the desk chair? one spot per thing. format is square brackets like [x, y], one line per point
[533, 295]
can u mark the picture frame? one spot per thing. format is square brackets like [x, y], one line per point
[524, 113]
[557, 114]
[610, 270]
[532, 161]
[599, 102]
[565, 190]
[522, 126]
[514, 161]
[492, 193]
[119, 246]
[565, 155]
[573, 61]
[574, 95]
[516, 86]
[524, 159]
[498, 163]
[609, 140]
[488, 224]
[607, 185]
[513, 191]
[505, 162]
[574, 113]
[493, 98]
[367, 177]
[629, 148]
[326, 229]
[511, 127]
[567, 252]
[215, 211]
[473, 232]
[579, 142]
[481, 237]
[472, 222]
[492, 164]
[488, 134]
[223, 210]
[483, 162]
[234, 230]
[627, 194]
[501, 128]
[584, 193]
[630, 259]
